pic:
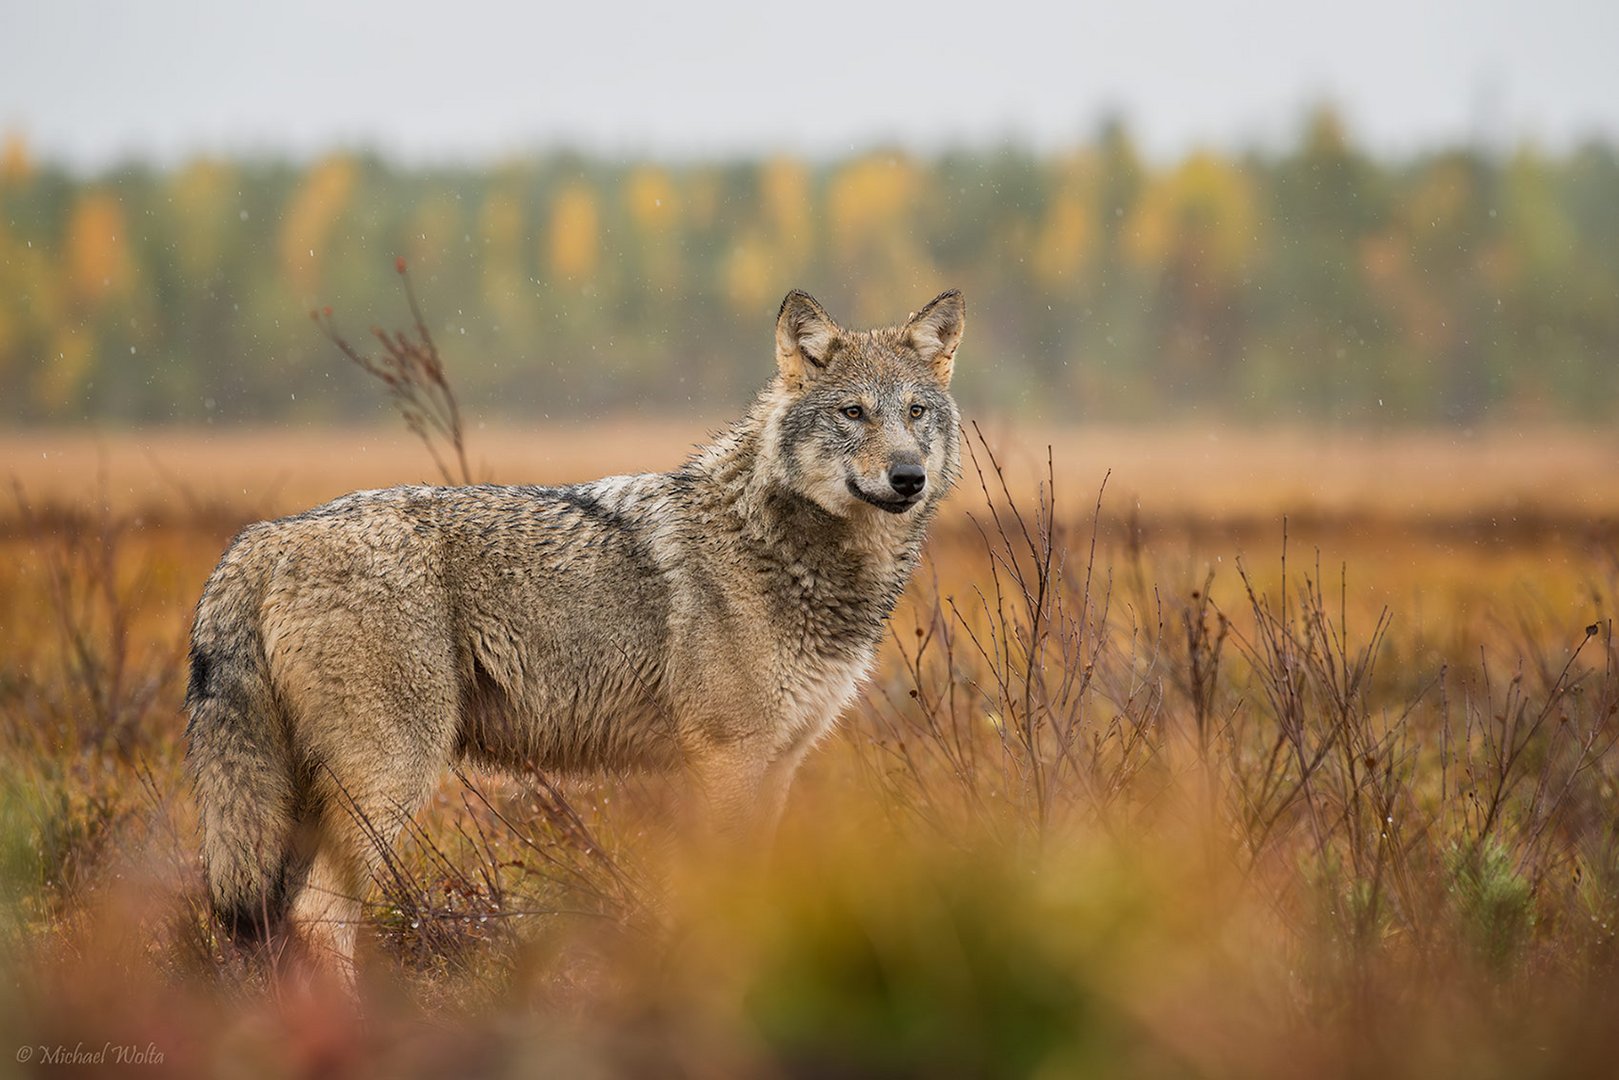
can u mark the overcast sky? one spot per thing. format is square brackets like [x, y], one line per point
[92, 82]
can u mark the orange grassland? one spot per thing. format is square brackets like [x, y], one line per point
[1124, 797]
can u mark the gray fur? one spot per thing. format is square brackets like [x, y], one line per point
[714, 619]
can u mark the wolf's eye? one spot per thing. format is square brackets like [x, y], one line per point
[853, 412]
[917, 411]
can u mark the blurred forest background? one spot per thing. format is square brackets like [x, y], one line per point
[1320, 283]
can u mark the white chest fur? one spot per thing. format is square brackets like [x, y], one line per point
[816, 692]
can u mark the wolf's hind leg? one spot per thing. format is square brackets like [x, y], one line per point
[354, 832]
[374, 725]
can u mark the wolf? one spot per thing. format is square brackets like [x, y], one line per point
[714, 620]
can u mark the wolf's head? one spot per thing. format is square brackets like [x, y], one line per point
[861, 421]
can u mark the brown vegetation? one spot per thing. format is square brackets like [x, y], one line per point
[1130, 793]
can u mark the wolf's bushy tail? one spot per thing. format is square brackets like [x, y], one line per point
[240, 759]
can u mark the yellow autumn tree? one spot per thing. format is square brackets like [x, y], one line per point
[309, 219]
[98, 260]
[784, 187]
[16, 163]
[1067, 235]
[201, 196]
[35, 300]
[869, 199]
[650, 198]
[750, 273]
[1194, 228]
[500, 227]
[870, 206]
[13, 283]
[768, 253]
[653, 205]
[1201, 214]
[575, 241]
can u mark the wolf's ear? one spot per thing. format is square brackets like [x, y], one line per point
[804, 333]
[935, 331]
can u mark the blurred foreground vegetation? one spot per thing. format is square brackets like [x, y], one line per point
[1454, 286]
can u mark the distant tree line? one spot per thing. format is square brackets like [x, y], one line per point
[1319, 283]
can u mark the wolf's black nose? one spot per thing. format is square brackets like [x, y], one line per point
[907, 480]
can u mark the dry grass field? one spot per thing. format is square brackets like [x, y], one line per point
[1138, 789]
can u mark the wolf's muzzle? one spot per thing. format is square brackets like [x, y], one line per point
[892, 506]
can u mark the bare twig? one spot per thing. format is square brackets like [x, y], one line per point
[413, 371]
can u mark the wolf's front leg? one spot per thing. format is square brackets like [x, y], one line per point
[774, 788]
[734, 798]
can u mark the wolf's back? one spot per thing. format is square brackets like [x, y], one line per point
[239, 753]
